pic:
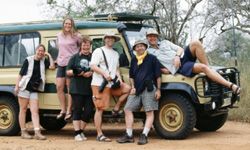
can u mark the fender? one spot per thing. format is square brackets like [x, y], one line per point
[7, 90]
[181, 87]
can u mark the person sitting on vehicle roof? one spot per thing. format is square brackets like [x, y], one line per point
[175, 59]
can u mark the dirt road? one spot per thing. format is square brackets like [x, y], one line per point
[233, 136]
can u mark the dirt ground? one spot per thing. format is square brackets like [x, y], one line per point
[232, 136]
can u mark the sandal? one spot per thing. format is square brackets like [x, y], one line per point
[67, 116]
[60, 116]
[103, 138]
[235, 90]
[116, 113]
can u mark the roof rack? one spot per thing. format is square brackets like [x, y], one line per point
[124, 16]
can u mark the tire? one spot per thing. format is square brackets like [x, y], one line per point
[9, 109]
[175, 118]
[51, 123]
[209, 123]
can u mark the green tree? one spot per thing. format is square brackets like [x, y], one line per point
[173, 20]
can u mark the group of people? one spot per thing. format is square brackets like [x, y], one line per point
[92, 78]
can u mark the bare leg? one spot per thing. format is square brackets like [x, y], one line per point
[23, 104]
[198, 51]
[125, 90]
[34, 108]
[83, 125]
[60, 84]
[129, 119]
[77, 125]
[69, 106]
[98, 121]
[149, 119]
[213, 75]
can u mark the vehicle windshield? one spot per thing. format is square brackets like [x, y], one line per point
[136, 35]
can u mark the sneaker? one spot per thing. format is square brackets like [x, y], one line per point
[125, 139]
[117, 113]
[78, 137]
[83, 136]
[143, 139]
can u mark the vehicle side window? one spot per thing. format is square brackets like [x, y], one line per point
[52, 48]
[97, 43]
[1, 50]
[18, 47]
[123, 60]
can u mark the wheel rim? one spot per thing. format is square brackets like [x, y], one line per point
[6, 117]
[171, 117]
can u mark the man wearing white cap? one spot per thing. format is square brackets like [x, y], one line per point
[105, 64]
[145, 79]
[176, 59]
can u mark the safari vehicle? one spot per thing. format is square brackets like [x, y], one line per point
[185, 103]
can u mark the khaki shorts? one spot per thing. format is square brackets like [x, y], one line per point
[145, 99]
[102, 100]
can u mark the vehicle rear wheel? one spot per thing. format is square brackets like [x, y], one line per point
[51, 123]
[175, 118]
[210, 123]
[9, 109]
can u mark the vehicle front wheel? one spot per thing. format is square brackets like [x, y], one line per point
[9, 109]
[175, 118]
[210, 123]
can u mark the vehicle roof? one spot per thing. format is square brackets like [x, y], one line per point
[49, 25]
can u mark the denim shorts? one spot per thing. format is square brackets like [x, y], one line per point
[27, 94]
[145, 99]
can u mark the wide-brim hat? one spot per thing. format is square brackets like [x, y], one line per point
[152, 31]
[140, 42]
[112, 34]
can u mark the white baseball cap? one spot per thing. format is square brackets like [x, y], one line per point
[152, 31]
[112, 34]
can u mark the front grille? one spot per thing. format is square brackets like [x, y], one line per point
[205, 87]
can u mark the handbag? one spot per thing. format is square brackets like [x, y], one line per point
[35, 84]
[115, 82]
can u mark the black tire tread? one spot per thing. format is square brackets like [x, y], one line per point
[209, 123]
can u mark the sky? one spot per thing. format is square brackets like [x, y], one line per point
[20, 11]
[13, 11]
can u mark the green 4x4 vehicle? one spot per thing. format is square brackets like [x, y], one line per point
[185, 103]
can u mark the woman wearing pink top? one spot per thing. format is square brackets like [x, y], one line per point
[68, 42]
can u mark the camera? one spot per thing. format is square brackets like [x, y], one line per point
[86, 69]
[35, 84]
[116, 83]
[78, 70]
[103, 85]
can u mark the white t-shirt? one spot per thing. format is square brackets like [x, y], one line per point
[97, 59]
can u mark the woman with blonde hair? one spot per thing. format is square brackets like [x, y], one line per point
[68, 43]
